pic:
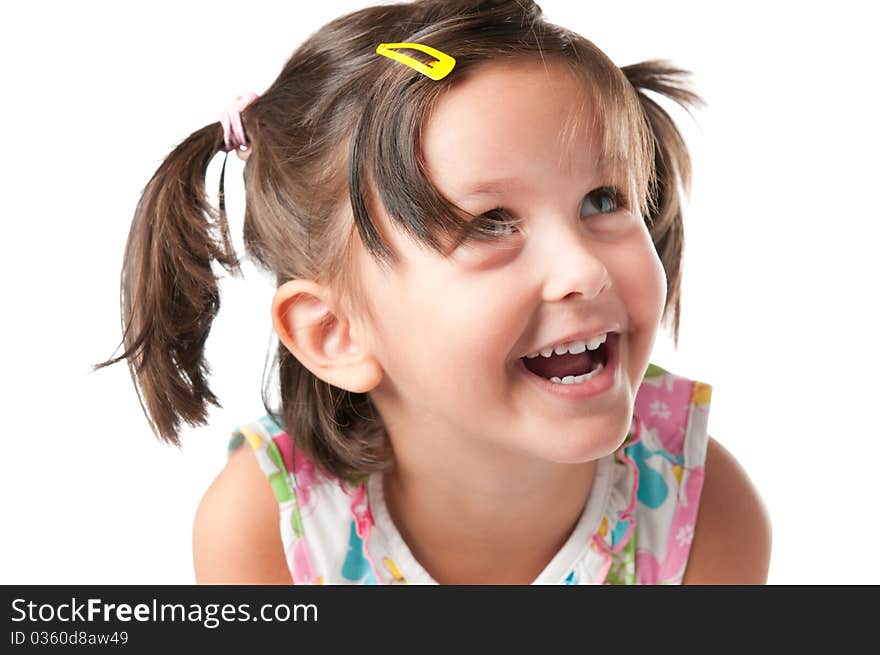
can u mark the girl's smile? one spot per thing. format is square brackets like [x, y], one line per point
[602, 378]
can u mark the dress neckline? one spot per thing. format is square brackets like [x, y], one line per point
[576, 547]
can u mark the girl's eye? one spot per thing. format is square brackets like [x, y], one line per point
[490, 228]
[604, 199]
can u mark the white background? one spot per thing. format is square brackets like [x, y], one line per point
[778, 306]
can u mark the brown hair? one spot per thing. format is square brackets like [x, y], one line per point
[339, 127]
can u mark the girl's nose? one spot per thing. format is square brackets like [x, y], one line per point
[572, 266]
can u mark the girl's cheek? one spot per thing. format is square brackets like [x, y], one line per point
[642, 279]
[659, 275]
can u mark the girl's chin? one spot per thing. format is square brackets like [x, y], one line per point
[584, 440]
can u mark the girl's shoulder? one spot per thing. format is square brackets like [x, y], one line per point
[235, 529]
[315, 509]
[698, 517]
[291, 472]
[732, 540]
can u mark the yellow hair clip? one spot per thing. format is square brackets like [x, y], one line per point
[436, 70]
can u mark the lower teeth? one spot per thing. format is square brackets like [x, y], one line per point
[577, 379]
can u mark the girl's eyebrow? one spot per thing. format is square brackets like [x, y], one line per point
[497, 186]
[488, 187]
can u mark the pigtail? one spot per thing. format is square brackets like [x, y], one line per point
[670, 183]
[169, 293]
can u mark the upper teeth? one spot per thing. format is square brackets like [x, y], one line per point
[574, 347]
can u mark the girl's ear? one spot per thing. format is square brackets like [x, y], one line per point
[319, 335]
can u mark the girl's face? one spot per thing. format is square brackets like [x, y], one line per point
[451, 331]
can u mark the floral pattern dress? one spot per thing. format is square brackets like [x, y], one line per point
[636, 527]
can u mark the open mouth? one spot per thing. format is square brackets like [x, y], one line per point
[569, 368]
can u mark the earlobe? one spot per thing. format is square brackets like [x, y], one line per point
[319, 335]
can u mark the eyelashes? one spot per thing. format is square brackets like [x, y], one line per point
[497, 224]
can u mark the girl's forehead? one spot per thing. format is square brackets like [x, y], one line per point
[510, 121]
[500, 97]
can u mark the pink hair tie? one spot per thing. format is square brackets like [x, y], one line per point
[233, 130]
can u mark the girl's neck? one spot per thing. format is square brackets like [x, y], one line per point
[484, 530]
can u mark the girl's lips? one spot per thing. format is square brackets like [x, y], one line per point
[604, 381]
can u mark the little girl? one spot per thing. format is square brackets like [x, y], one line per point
[474, 220]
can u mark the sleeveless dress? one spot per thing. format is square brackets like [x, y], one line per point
[636, 527]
